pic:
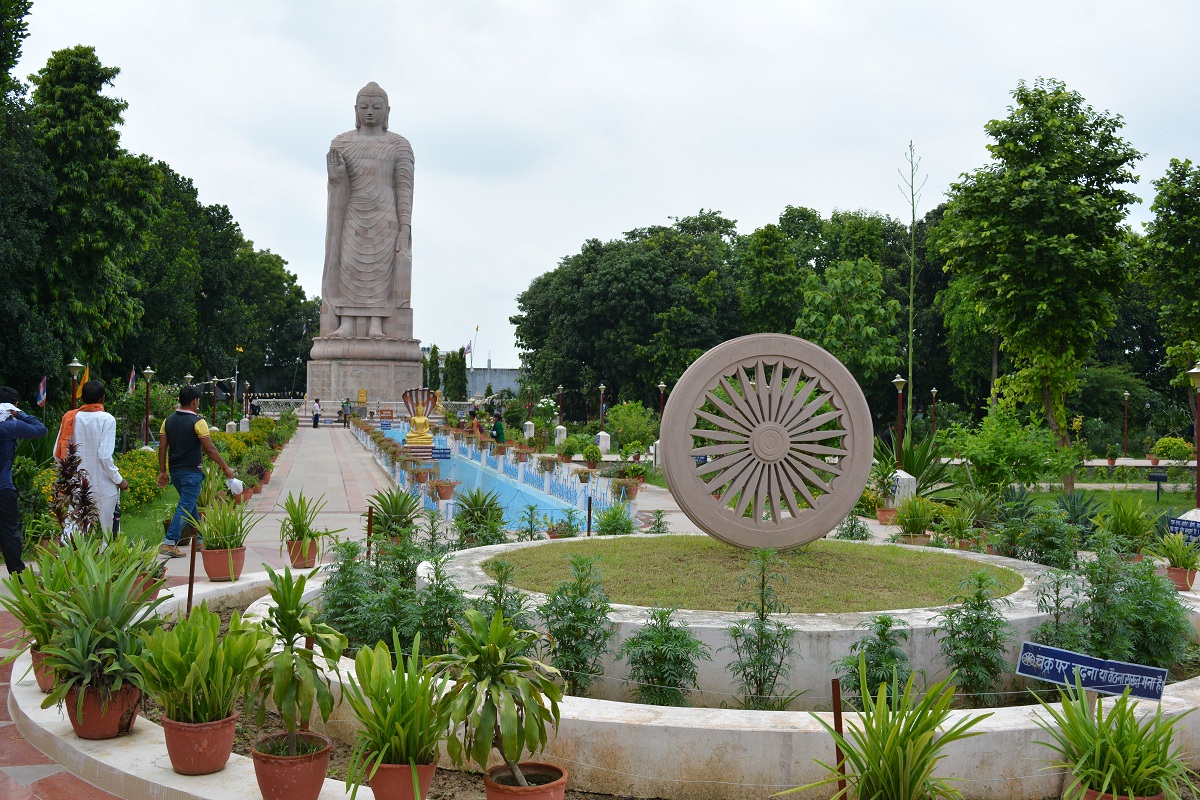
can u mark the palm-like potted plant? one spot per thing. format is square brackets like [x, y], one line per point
[224, 530]
[292, 765]
[298, 530]
[883, 487]
[1182, 557]
[1112, 751]
[501, 699]
[403, 722]
[915, 517]
[197, 676]
[34, 598]
[99, 625]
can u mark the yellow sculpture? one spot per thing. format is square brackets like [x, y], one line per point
[437, 408]
[418, 428]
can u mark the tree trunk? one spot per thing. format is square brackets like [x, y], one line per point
[995, 371]
[1061, 435]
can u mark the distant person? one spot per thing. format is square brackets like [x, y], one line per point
[497, 429]
[94, 432]
[347, 411]
[14, 424]
[473, 425]
[316, 412]
[183, 442]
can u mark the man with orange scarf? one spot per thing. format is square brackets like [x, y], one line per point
[94, 432]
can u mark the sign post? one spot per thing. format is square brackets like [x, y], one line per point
[1190, 528]
[1158, 475]
[1095, 674]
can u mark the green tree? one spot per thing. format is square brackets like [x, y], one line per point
[1172, 252]
[1038, 235]
[433, 375]
[103, 203]
[848, 313]
[456, 375]
[770, 282]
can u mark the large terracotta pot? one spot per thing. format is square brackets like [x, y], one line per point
[421, 476]
[884, 516]
[1182, 578]
[303, 558]
[100, 721]
[199, 748]
[266, 478]
[394, 781]
[257, 488]
[547, 782]
[445, 492]
[246, 495]
[223, 565]
[41, 673]
[291, 777]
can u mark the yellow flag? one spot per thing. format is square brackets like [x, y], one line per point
[82, 380]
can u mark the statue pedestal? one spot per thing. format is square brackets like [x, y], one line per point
[334, 379]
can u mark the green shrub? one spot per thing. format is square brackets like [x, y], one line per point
[140, 469]
[762, 645]
[631, 422]
[853, 529]
[662, 658]
[1172, 448]
[882, 655]
[576, 616]
[975, 637]
[614, 521]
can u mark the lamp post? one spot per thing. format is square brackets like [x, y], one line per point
[933, 391]
[246, 399]
[602, 406]
[74, 368]
[1125, 435]
[899, 383]
[187, 379]
[560, 404]
[147, 373]
[662, 388]
[1194, 374]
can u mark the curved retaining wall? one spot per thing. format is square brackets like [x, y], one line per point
[819, 639]
[618, 748]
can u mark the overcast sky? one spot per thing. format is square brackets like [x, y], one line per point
[538, 125]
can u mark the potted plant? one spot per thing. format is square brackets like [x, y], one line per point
[421, 475]
[99, 623]
[298, 530]
[501, 698]
[566, 451]
[402, 722]
[34, 597]
[566, 528]
[523, 452]
[1182, 557]
[292, 765]
[547, 463]
[593, 456]
[224, 530]
[442, 488]
[585, 475]
[883, 486]
[1113, 751]
[624, 488]
[915, 516]
[1148, 447]
[197, 676]
[1110, 453]
[957, 525]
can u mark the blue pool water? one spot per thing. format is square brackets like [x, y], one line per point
[514, 496]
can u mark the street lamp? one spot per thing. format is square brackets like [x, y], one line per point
[662, 387]
[187, 379]
[147, 373]
[246, 399]
[899, 383]
[602, 406]
[1125, 436]
[933, 391]
[74, 368]
[560, 404]
[1194, 374]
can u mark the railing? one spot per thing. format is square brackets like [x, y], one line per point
[491, 461]
[510, 468]
[567, 489]
[533, 476]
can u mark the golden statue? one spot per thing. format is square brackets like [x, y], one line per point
[438, 411]
[418, 429]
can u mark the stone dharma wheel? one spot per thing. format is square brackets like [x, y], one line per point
[767, 442]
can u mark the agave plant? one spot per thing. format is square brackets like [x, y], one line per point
[394, 510]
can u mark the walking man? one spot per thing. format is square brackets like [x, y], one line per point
[94, 432]
[317, 413]
[14, 424]
[183, 442]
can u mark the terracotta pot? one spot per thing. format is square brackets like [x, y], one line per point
[421, 476]
[394, 781]
[1112, 462]
[266, 478]
[199, 748]
[631, 491]
[549, 535]
[100, 721]
[885, 515]
[1182, 578]
[522, 457]
[566, 459]
[445, 492]
[291, 777]
[223, 565]
[1153, 461]
[41, 673]
[257, 488]
[637, 457]
[1091, 794]
[501, 449]
[593, 464]
[584, 477]
[246, 495]
[144, 582]
[547, 782]
[302, 557]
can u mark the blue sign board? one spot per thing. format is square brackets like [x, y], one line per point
[385, 424]
[1190, 528]
[1096, 674]
[441, 453]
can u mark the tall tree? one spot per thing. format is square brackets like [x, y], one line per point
[104, 199]
[1038, 234]
[1172, 252]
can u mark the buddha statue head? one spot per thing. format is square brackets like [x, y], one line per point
[371, 107]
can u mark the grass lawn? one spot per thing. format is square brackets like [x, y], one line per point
[1175, 502]
[146, 525]
[698, 572]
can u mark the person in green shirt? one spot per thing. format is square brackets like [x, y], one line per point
[498, 429]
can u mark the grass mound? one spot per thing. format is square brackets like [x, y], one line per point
[700, 573]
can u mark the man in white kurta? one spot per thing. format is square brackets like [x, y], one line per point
[95, 435]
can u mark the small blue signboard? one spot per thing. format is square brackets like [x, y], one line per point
[442, 453]
[1095, 674]
[385, 424]
[1190, 528]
